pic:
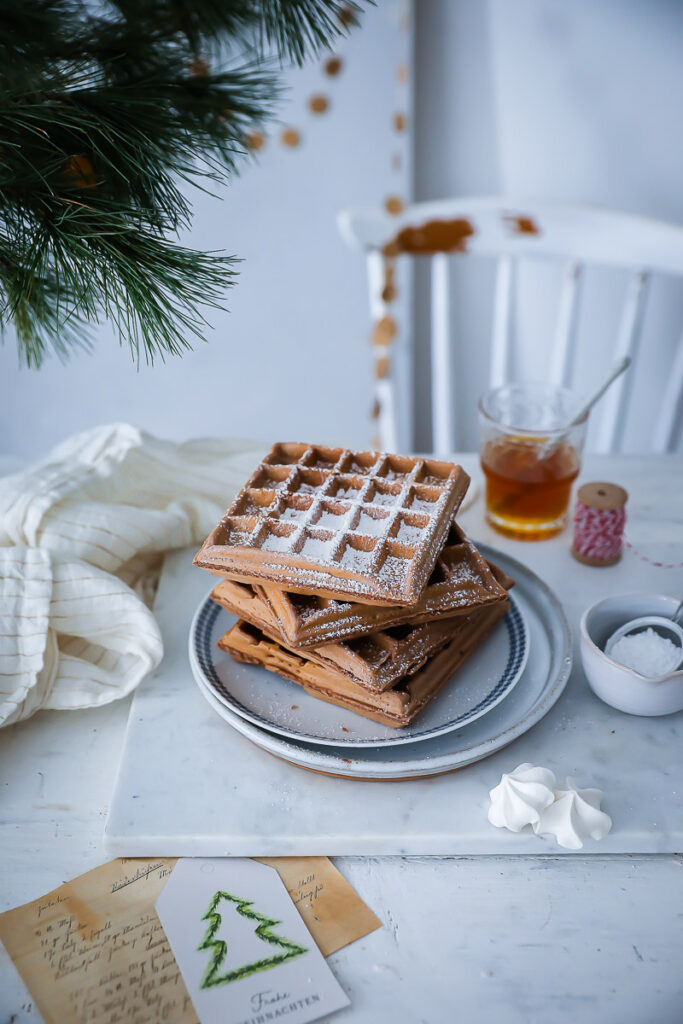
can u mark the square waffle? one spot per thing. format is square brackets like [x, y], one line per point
[327, 521]
[397, 707]
[376, 662]
[461, 581]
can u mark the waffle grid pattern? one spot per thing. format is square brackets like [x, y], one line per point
[461, 581]
[376, 661]
[362, 517]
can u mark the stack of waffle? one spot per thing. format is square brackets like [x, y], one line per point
[350, 577]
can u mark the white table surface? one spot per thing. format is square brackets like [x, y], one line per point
[505, 939]
[189, 785]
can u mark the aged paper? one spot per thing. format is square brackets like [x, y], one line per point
[333, 912]
[94, 950]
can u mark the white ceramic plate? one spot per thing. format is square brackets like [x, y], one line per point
[281, 707]
[540, 686]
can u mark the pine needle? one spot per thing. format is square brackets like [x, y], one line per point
[106, 112]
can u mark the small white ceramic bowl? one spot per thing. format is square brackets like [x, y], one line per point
[617, 685]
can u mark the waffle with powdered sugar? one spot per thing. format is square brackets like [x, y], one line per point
[362, 526]
[461, 581]
[396, 707]
[376, 662]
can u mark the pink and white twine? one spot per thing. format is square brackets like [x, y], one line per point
[598, 532]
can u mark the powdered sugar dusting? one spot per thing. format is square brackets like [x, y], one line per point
[297, 515]
[317, 549]
[336, 491]
[361, 467]
[419, 504]
[409, 534]
[347, 491]
[385, 498]
[371, 526]
[330, 520]
[307, 488]
[273, 542]
[394, 567]
[239, 538]
[356, 558]
[461, 579]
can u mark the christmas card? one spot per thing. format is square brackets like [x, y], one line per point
[243, 950]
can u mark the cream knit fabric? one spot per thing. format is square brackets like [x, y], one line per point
[82, 534]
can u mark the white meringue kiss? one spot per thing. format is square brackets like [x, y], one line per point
[521, 796]
[573, 816]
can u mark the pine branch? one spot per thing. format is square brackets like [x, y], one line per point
[105, 114]
[296, 29]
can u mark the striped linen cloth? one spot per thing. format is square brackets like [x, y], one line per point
[82, 537]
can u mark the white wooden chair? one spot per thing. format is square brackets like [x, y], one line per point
[512, 230]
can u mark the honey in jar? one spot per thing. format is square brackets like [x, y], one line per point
[528, 484]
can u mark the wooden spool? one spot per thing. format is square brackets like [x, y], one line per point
[602, 497]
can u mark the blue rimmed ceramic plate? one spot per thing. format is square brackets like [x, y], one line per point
[285, 709]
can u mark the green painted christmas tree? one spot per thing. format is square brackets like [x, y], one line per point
[218, 948]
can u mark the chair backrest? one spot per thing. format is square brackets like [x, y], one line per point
[512, 230]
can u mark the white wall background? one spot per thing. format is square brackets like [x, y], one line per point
[292, 358]
[576, 101]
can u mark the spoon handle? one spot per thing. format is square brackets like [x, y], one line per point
[618, 368]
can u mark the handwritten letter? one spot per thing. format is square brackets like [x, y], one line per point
[94, 949]
[332, 910]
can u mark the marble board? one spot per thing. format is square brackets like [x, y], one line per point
[188, 785]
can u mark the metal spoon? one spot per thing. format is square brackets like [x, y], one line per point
[585, 407]
[588, 403]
